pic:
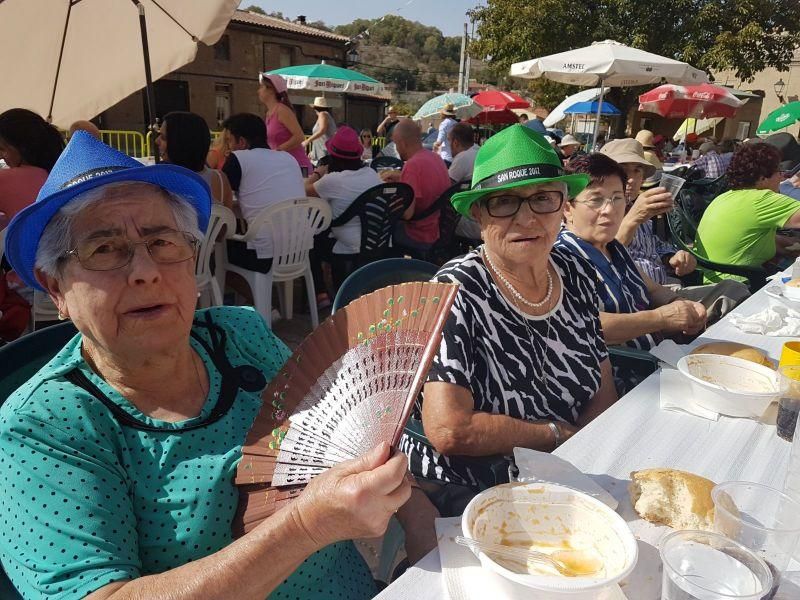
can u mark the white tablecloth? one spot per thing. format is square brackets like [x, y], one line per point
[635, 434]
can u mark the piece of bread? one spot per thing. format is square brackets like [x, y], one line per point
[793, 282]
[674, 498]
[742, 351]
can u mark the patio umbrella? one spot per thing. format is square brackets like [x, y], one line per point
[696, 126]
[497, 107]
[779, 118]
[591, 108]
[700, 101]
[465, 107]
[494, 117]
[71, 60]
[329, 78]
[558, 112]
[608, 64]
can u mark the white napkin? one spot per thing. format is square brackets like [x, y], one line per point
[543, 467]
[675, 393]
[466, 579]
[777, 320]
[669, 352]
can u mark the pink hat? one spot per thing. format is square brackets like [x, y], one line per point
[276, 81]
[345, 144]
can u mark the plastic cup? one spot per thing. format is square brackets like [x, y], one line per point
[699, 565]
[790, 354]
[761, 518]
[672, 183]
[788, 401]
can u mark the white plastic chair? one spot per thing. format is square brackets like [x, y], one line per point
[211, 286]
[292, 225]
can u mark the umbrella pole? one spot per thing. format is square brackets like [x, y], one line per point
[148, 77]
[597, 119]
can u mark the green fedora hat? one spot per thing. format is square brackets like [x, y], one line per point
[516, 156]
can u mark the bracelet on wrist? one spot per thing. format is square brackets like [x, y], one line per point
[556, 432]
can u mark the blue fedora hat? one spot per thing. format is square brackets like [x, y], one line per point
[85, 164]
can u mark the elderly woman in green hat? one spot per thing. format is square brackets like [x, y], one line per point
[522, 361]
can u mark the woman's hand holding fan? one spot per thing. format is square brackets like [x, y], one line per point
[350, 386]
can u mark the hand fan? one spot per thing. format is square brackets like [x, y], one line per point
[350, 385]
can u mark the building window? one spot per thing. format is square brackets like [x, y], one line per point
[222, 49]
[285, 56]
[223, 99]
[743, 130]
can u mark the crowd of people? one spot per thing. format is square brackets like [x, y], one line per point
[120, 426]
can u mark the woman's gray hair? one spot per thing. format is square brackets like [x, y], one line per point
[57, 238]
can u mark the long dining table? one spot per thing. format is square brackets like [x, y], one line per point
[635, 433]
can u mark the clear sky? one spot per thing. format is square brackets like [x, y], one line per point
[447, 15]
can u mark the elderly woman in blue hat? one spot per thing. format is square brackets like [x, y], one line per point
[117, 458]
[522, 361]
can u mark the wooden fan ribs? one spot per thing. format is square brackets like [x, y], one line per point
[350, 385]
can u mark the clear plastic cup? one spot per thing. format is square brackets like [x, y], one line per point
[763, 519]
[672, 183]
[700, 565]
[789, 399]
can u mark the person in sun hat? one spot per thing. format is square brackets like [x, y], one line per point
[570, 146]
[340, 181]
[442, 144]
[646, 138]
[323, 129]
[284, 132]
[117, 456]
[522, 362]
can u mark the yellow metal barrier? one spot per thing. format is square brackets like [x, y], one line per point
[380, 142]
[132, 143]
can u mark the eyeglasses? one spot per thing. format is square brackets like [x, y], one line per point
[366, 137]
[541, 203]
[600, 203]
[109, 253]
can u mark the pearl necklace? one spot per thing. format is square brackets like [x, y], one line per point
[514, 292]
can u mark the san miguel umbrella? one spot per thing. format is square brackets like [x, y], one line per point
[329, 78]
[465, 107]
[72, 59]
[608, 64]
[699, 101]
[781, 117]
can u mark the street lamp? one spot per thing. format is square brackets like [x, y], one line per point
[352, 56]
[779, 87]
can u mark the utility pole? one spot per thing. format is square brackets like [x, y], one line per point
[468, 65]
[461, 65]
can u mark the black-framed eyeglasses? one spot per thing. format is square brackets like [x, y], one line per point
[109, 253]
[599, 203]
[541, 203]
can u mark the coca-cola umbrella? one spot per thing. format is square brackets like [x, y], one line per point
[497, 107]
[698, 101]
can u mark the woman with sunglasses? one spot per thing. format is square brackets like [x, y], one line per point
[117, 456]
[368, 150]
[522, 361]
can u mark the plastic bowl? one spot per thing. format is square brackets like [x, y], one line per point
[549, 517]
[729, 385]
[791, 292]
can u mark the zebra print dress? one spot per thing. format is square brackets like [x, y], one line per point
[526, 367]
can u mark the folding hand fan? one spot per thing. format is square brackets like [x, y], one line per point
[350, 385]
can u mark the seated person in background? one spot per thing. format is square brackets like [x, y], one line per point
[464, 152]
[261, 177]
[86, 126]
[218, 153]
[368, 150]
[427, 174]
[343, 179]
[710, 162]
[740, 226]
[183, 140]
[570, 147]
[726, 149]
[634, 310]
[650, 253]
[790, 160]
[522, 360]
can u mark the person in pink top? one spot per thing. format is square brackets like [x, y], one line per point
[283, 129]
[29, 145]
[427, 174]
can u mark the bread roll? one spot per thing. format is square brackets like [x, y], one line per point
[742, 351]
[793, 282]
[678, 499]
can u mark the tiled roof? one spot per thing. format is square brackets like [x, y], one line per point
[250, 18]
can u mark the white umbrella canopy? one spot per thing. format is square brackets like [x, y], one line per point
[71, 60]
[558, 112]
[608, 64]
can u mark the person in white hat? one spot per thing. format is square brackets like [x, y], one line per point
[442, 146]
[569, 146]
[323, 129]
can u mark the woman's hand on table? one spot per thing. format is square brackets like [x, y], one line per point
[683, 316]
[354, 499]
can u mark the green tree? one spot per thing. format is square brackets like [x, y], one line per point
[743, 35]
[256, 9]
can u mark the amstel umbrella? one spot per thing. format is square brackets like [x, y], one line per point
[329, 78]
[786, 115]
[465, 107]
[699, 101]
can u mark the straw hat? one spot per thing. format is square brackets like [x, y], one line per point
[569, 140]
[448, 110]
[645, 138]
[628, 150]
[515, 157]
[320, 102]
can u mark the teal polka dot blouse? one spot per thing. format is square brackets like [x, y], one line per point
[86, 502]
